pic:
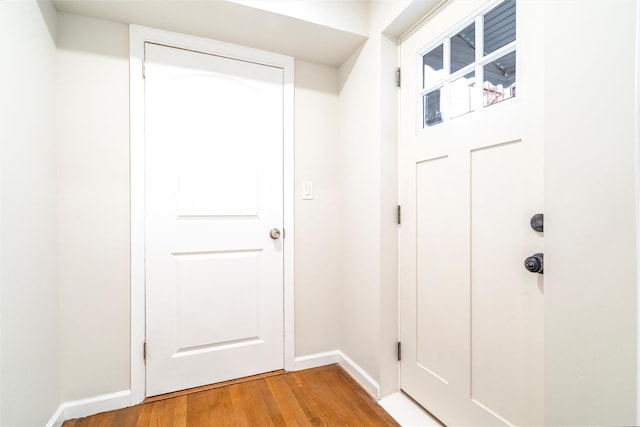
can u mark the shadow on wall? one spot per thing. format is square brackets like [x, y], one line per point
[48, 18]
[95, 36]
[347, 66]
[306, 78]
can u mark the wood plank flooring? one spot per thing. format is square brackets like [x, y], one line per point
[212, 386]
[324, 396]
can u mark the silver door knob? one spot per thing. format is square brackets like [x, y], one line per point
[274, 234]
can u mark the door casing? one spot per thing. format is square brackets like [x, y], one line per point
[138, 37]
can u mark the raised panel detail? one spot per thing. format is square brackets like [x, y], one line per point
[498, 278]
[217, 154]
[218, 298]
[434, 343]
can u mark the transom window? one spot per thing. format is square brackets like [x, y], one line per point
[482, 49]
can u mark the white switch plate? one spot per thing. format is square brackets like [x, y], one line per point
[307, 190]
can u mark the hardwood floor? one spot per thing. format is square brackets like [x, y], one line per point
[324, 396]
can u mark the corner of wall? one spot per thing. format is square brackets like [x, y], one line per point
[368, 131]
[30, 381]
[92, 109]
[318, 262]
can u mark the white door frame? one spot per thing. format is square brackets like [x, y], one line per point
[138, 37]
[637, 183]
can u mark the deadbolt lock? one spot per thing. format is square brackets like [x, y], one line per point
[537, 222]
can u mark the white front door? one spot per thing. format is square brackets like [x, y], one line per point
[214, 191]
[471, 178]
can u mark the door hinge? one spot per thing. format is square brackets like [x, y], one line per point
[144, 76]
[398, 77]
[399, 351]
[144, 351]
[399, 215]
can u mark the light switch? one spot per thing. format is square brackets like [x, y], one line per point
[307, 190]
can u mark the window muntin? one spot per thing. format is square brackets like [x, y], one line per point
[473, 67]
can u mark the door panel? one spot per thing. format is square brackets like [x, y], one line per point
[204, 175]
[205, 299]
[471, 315]
[434, 255]
[214, 189]
[496, 274]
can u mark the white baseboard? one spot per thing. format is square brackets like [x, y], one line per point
[360, 375]
[57, 418]
[90, 406]
[352, 368]
[97, 404]
[122, 399]
[316, 360]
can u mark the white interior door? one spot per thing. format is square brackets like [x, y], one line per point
[214, 190]
[471, 178]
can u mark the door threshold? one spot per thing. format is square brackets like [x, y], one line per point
[212, 386]
[408, 412]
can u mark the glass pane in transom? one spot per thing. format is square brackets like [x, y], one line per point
[433, 66]
[461, 93]
[463, 48]
[432, 108]
[499, 79]
[500, 26]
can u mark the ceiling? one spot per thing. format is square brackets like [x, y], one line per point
[229, 22]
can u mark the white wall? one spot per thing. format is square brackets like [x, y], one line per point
[30, 382]
[93, 215]
[368, 135]
[318, 263]
[361, 151]
[360, 204]
[590, 230]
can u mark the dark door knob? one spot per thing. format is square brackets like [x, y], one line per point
[535, 263]
[537, 222]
